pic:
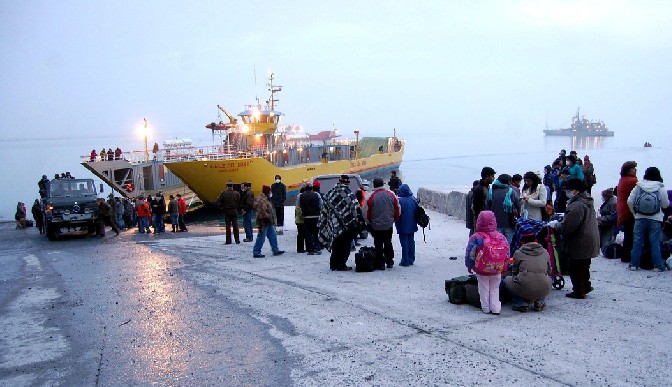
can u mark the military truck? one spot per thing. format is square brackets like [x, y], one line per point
[69, 205]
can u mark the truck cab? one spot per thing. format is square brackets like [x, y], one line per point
[68, 206]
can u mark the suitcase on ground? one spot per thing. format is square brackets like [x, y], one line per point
[364, 259]
[463, 290]
[613, 251]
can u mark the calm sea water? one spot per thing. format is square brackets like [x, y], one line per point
[447, 161]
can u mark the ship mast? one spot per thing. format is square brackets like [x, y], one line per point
[273, 89]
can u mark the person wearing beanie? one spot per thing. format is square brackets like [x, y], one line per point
[229, 201]
[581, 237]
[247, 208]
[382, 211]
[560, 204]
[648, 218]
[265, 223]
[480, 192]
[278, 197]
[310, 203]
[606, 220]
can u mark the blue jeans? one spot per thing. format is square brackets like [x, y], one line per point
[120, 220]
[407, 249]
[173, 220]
[247, 224]
[508, 233]
[651, 229]
[143, 224]
[267, 232]
[157, 221]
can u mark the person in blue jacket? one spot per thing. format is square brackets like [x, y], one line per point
[406, 226]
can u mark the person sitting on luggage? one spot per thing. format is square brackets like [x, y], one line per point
[491, 244]
[530, 281]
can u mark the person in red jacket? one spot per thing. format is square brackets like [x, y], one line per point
[142, 207]
[626, 184]
[181, 212]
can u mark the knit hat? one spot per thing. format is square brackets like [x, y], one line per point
[316, 184]
[345, 179]
[609, 192]
[266, 190]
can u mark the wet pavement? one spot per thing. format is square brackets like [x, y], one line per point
[185, 309]
[117, 311]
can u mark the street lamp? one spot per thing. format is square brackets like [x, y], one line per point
[145, 132]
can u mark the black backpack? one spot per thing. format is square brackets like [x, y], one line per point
[421, 219]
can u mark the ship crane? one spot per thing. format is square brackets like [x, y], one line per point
[233, 120]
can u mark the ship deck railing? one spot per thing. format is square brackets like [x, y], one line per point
[214, 152]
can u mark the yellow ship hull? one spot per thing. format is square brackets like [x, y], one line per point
[208, 178]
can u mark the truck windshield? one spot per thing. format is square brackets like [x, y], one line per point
[71, 187]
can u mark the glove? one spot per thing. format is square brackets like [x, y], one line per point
[553, 223]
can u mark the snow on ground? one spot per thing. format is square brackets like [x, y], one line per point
[396, 327]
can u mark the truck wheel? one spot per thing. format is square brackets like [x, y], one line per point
[51, 232]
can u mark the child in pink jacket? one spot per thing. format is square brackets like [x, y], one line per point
[488, 283]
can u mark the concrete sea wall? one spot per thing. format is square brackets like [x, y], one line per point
[451, 203]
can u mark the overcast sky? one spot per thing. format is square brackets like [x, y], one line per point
[93, 68]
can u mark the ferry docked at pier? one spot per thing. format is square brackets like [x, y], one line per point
[581, 126]
[254, 148]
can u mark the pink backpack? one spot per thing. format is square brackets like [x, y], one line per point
[493, 257]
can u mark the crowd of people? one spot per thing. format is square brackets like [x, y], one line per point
[106, 155]
[562, 200]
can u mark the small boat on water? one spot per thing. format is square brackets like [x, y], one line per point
[253, 148]
[581, 126]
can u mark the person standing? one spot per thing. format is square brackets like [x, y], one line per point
[469, 211]
[158, 212]
[575, 170]
[395, 182]
[648, 217]
[105, 217]
[606, 220]
[278, 197]
[547, 180]
[480, 195]
[310, 203]
[581, 238]
[382, 211]
[182, 213]
[340, 221]
[488, 283]
[37, 215]
[406, 225]
[20, 215]
[300, 226]
[625, 217]
[119, 212]
[247, 208]
[533, 196]
[504, 202]
[265, 224]
[142, 208]
[174, 211]
[588, 174]
[229, 200]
